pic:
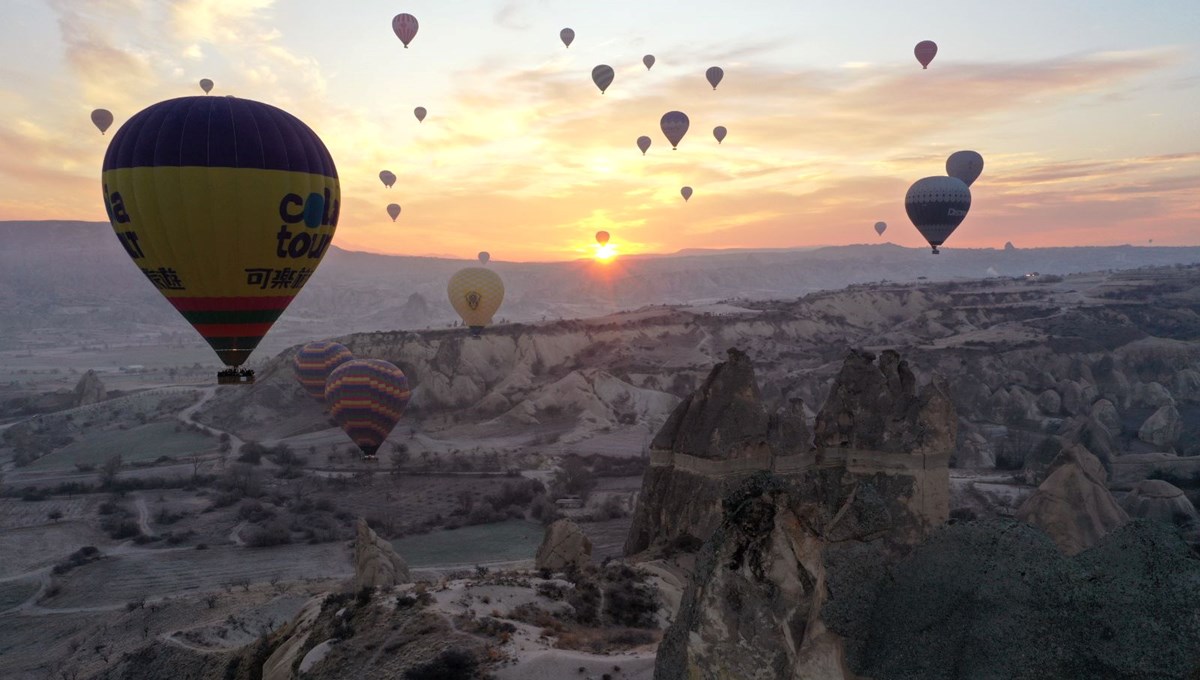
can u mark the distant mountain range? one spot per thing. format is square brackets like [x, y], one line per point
[64, 283]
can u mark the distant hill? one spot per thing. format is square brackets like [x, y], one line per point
[64, 283]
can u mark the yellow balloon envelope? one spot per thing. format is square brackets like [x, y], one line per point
[476, 294]
[227, 206]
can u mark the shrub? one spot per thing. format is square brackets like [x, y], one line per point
[452, 664]
[274, 533]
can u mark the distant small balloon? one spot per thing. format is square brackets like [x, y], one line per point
[420, 112]
[393, 209]
[102, 119]
[567, 36]
[714, 75]
[405, 27]
[648, 60]
[674, 125]
[719, 132]
[206, 85]
[643, 143]
[880, 227]
[925, 50]
[686, 192]
[388, 178]
[484, 256]
[965, 165]
[602, 75]
[602, 238]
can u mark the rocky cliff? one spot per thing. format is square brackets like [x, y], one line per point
[878, 430]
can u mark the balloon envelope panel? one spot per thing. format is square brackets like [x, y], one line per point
[476, 293]
[367, 397]
[315, 361]
[227, 206]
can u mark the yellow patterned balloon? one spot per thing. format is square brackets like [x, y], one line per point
[476, 294]
[227, 206]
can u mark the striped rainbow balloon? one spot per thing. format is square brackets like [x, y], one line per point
[367, 397]
[315, 361]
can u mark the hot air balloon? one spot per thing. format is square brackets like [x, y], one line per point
[602, 75]
[387, 177]
[420, 112]
[714, 74]
[880, 227]
[719, 132]
[206, 85]
[936, 206]
[925, 50]
[405, 27]
[567, 36]
[648, 60]
[602, 238]
[484, 256]
[367, 397]
[393, 209]
[965, 165]
[315, 361]
[686, 192]
[674, 125]
[102, 119]
[643, 143]
[227, 206]
[476, 294]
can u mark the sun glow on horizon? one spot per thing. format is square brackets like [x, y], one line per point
[606, 252]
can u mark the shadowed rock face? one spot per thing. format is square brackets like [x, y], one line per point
[89, 390]
[722, 419]
[877, 406]
[722, 434]
[1073, 506]
[376, 563]
[564, 546]
[1160, 501]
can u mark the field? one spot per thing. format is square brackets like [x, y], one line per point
[140, 443]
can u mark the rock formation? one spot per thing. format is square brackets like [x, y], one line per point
[1073, 505]
[876, 428]
[1163, 427]
[1105, 412]
[376, 564]
[564, 546]
[1160, 501]
[293, 635]
[89, 390]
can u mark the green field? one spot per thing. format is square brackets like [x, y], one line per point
[144, 442]
[501, 542]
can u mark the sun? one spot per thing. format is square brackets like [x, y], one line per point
[606, 252]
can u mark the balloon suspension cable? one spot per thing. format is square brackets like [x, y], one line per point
[936, 251]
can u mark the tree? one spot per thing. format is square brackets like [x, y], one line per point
[400, 457]
[109, 470]
[573, 478]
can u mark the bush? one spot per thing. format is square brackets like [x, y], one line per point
[253, 511]
[452, 664]
[274, 533]
[77, 559]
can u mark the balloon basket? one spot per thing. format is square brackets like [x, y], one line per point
[235, 377]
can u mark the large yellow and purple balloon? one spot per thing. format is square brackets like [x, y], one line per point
[315, 361]
[405, 28]
[227, 206]
[367, 397]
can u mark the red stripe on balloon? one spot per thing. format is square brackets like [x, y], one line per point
[230, 304]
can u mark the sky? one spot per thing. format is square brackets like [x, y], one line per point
[1085, 113]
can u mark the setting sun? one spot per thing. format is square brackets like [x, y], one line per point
[606, 252]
